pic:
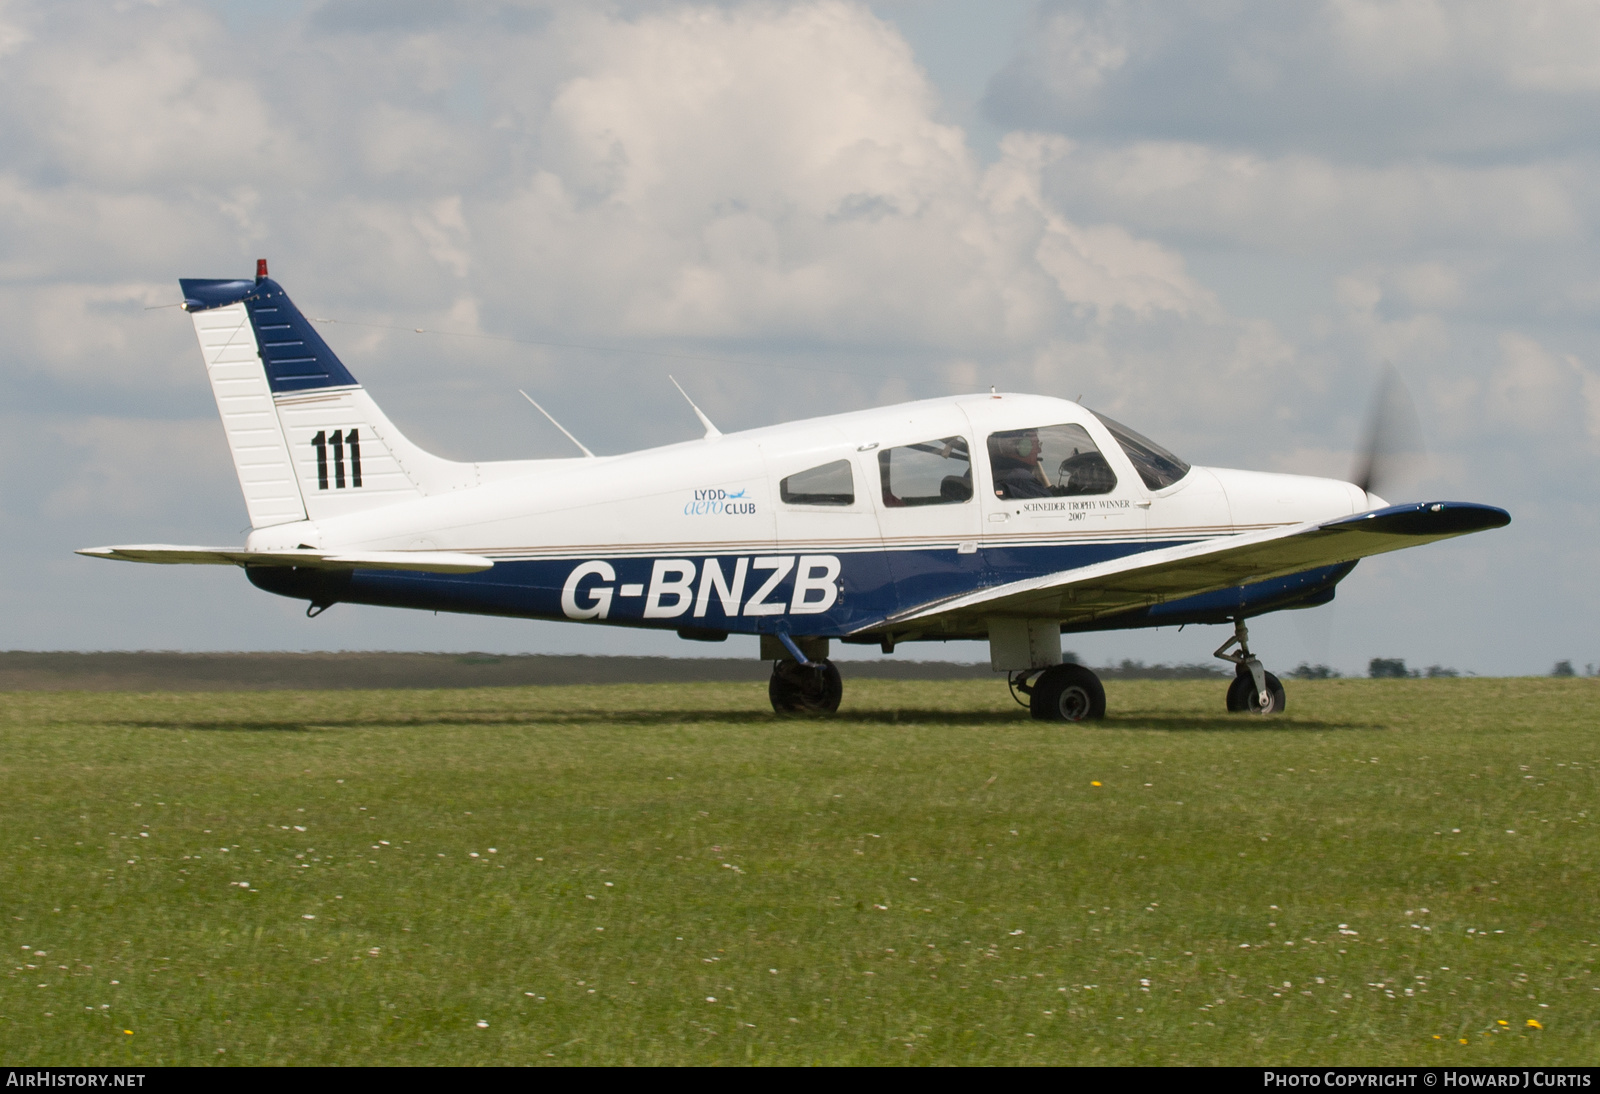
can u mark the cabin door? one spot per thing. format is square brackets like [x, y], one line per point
[824, 514]
[1055, 502]
[929, 515]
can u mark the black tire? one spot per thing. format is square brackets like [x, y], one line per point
[797, 689]
[1244, 699]
[1068, 693]
[1240, 688]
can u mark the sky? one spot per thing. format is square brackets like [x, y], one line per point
[1214, 221]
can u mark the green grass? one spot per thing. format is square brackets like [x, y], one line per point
[929, 877]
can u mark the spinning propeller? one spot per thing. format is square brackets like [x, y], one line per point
[1393, 443]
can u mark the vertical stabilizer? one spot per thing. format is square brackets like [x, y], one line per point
[308, 442]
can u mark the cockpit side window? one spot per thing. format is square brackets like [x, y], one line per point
[1156, 466]
[829, 484]
[1048, 461]
[931, 473]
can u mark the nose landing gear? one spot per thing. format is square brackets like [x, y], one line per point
[1254, 690]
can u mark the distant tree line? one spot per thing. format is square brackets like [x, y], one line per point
[1379, 668]
[1394, 668]
[1129, 669]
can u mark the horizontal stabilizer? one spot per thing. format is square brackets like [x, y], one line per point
[429, 562]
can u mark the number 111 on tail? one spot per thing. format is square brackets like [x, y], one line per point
[338, 442]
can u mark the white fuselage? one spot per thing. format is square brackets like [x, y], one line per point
[662, 513]
[720, 494]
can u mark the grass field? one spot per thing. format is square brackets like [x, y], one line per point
[1395, 872]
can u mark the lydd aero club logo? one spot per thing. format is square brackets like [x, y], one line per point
[718, 502]
[681, 585]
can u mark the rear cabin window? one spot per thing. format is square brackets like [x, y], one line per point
[829, 484]
[1156, 466]
[1048, 461]
[931, 473]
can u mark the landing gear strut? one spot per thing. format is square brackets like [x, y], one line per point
[1062, 693]
[1254, 690]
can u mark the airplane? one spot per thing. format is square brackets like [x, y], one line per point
[998, 516]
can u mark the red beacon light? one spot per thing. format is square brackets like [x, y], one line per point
[261, 269]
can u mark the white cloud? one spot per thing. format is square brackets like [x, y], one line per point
[102, 336]
[767, 174]
[1411, 337]
[1553, 397]
[444, 230]
[1100, 268]
[1542, 45]
[752, 171]
[1084, 52]
[133, 468]
[13, 36]
[1307, 204]
[1340, 77]
[1408, 180]
[148, 99]
[777, 171]
[1589, 390]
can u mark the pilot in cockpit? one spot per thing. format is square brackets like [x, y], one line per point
[1015, 460]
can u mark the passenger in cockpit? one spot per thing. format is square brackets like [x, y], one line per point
[1014, 459]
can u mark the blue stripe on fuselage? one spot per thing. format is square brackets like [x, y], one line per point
[870, 587]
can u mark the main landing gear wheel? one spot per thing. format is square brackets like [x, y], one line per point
[805, 689]
[1243, 698]
[1254, 690]
[1067, 693]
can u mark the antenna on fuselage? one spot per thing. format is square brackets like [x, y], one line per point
[711, 430]
[557, 424]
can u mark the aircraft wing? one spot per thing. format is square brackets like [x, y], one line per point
[1173, 573]
[431, 562]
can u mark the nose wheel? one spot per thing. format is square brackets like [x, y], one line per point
[1245, 698]
[1254, 690]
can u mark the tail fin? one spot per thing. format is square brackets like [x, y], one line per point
[308, 442]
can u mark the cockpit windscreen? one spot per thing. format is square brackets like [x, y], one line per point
[1156, 466]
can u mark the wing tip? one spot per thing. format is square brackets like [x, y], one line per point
[1428, 518]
